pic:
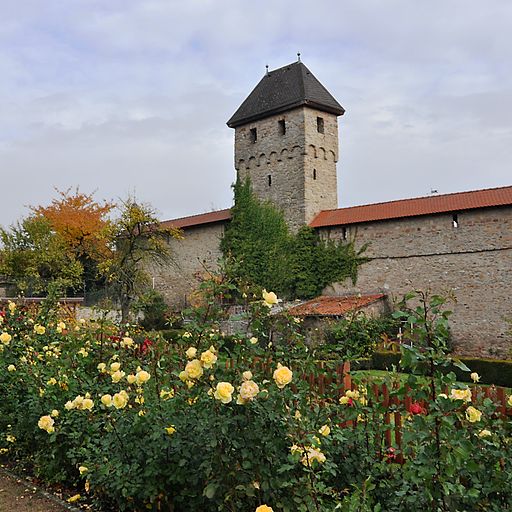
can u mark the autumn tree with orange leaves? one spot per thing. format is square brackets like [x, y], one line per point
[81, 222]
[61, 243]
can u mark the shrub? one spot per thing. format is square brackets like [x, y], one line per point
[142, 424]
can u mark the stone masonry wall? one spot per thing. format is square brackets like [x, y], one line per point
[295, 170]
[473, 261]
[197, 251]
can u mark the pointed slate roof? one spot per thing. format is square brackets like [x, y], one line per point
[283, 89]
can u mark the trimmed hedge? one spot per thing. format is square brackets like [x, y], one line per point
[491, 371]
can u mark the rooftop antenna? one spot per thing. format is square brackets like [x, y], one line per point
[266, 67]
[298, 56]
[434, 191]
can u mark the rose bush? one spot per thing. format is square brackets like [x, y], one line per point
[222, 423]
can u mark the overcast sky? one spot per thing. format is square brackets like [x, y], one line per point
[132, 96]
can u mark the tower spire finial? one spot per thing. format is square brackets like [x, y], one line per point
[266, 67]
[298, 56]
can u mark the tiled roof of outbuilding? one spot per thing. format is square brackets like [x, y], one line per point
[333, 306]
[281, 90]
[415, 207]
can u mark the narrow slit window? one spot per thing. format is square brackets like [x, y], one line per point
[254, 135]
[344, 233]
[282, 126]
[455, 220]
[320, 124]
[314, 174]
[269, 180]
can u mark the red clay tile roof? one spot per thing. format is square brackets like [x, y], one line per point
[333, 306]
[414, 207]
[197, 220]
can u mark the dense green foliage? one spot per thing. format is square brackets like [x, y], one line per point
[358, 334]
[155, 425]
[260, 249]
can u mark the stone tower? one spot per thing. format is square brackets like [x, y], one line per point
[286, 141]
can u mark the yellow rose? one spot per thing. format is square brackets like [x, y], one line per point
[114, 367]
[344, 400]
[83, 469]
[165, 395]
[120, 400]
[282, 376]
[312, 455]
[475, 377]
[74, 498]
[39, 329]
[269, 298]
[83, 352]
[69, 405]
[131, 379]
[87, 404]
[473, 415]
[294, 449]
[126, 342]
[354, 394]
[325, 430]
[484, 433]
[193, 369]
[509, 401]
[191, 352]
[264, 508]
[10, 438]
[170, 430]
[52, 381]
[224, 392]
[117, 376]
[5, 338]
[102, 367]
[11, 368]
[248, 390]
[106, 400]
[253, 340]
[461, 394]
[61, 325]
[142, 377]
[247, 375]
[12, 306]
[208, 358]
[78, 401]
[46, 423]
[54, 413]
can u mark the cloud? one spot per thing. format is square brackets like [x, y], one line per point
[133, 95]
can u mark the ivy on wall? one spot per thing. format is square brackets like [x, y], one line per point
[258, 248]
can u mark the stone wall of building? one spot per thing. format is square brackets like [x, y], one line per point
[472, 260]
[197, 252]
[290, 163]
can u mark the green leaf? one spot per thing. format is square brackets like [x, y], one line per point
[210, 490]
[459, 364]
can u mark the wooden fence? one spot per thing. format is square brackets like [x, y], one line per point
[330, 383]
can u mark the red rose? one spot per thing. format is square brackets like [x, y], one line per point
[416, 408]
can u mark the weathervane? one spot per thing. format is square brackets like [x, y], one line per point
[298, 56]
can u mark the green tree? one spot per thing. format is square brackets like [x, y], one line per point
[139, 243]
[33, 256]
[260, 249]
[257, 239]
